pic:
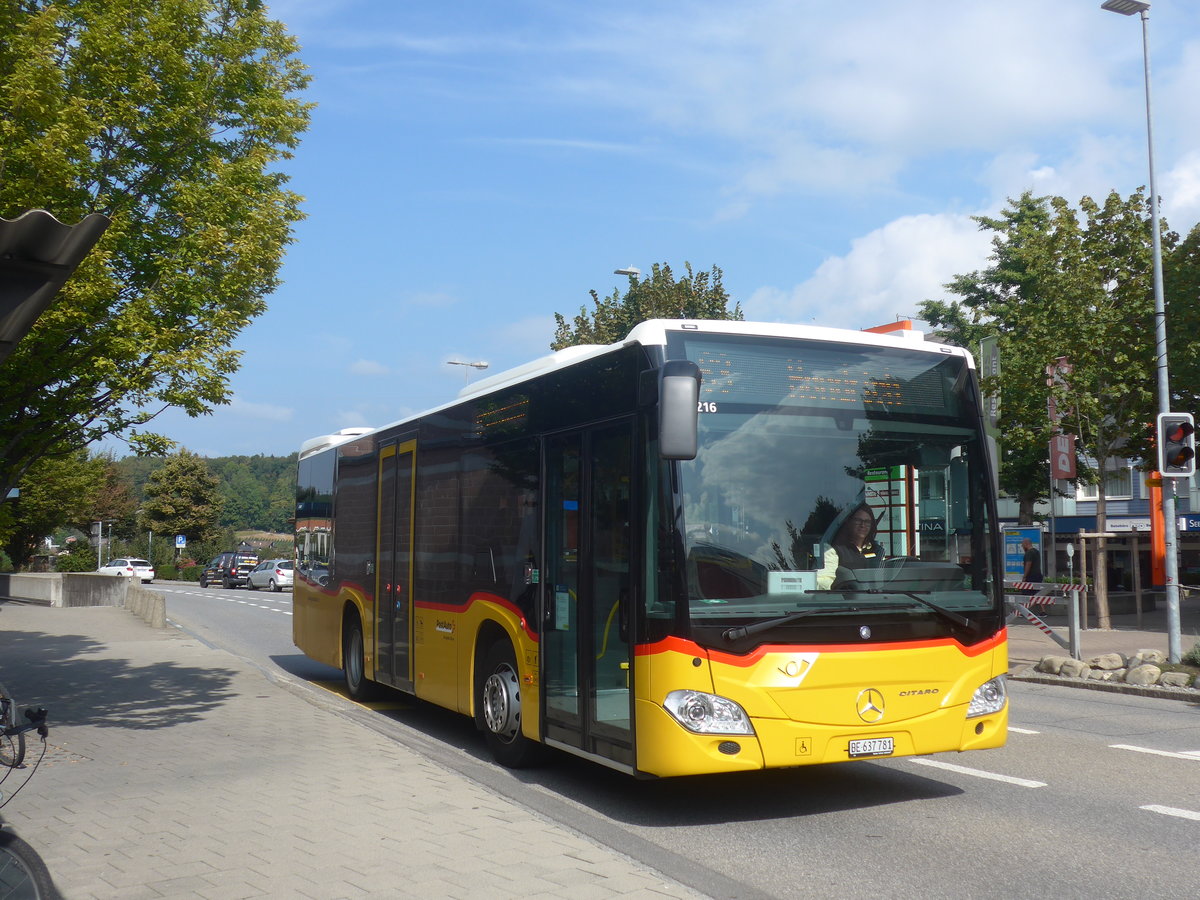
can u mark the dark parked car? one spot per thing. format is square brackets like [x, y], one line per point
[230, 569]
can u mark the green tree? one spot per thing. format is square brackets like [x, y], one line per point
[171, 117]
[998, 302]
[1062, 287]
[56, 491]
[243, 495]
[183, 497]
[80, 557]
[115, 502]
[657, 296]
[1181, 285]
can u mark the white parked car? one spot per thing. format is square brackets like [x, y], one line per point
[275, 574]
[130, 568]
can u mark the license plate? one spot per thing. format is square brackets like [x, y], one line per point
[872, 747]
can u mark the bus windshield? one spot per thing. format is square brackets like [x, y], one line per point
[835, 479]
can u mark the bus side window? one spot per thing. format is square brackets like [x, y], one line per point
[484, 568]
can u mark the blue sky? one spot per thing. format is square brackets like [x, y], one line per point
[474, 167]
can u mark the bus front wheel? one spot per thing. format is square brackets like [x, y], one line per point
[499, 703]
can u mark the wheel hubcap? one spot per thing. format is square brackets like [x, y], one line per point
[502, 703]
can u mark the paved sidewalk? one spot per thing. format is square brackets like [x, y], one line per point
[178, 770]
[1027, 644]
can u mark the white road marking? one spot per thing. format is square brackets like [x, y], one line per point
[1015, 730]
[1172, 811]
[286, 612]
[1184, 754]
[978, 773]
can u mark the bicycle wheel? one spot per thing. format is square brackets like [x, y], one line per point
[23, 875]
[12, 746]
[12, 750]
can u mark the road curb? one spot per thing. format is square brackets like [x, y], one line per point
[1111, 687]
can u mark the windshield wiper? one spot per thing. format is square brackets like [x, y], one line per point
[741, 631]
[948, 614]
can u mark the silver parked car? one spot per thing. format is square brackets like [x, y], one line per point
[130, 567]
[275, 574]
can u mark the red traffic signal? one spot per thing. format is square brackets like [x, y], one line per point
[1176, 445]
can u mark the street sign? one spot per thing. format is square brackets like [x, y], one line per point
[180, 541]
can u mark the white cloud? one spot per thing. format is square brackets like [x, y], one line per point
[368, 368]
[1180, 192]
[883, 277]
[807, 90]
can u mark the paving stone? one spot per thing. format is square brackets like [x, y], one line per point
[177, 770]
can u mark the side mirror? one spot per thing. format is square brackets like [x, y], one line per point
[678, 401]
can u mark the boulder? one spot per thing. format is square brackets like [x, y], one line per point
[1175, 679]
[1074, 668]
[1052, 665]
[1143, 674]
[1151, 657]
[1108, 661]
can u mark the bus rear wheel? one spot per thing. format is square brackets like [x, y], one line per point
[354, 667]
[498, 699]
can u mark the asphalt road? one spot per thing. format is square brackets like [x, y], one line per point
[1095, 795]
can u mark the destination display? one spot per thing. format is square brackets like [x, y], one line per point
[811, 373]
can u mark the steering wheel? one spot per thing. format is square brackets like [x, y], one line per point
[844, 580]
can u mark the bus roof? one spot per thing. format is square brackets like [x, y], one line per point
[653, 333]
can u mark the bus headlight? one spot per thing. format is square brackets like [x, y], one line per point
[707, 713]
[989, 698]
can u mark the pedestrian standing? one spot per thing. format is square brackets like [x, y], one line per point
[1033, 561]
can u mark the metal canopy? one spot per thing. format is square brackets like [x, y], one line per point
[38, 254]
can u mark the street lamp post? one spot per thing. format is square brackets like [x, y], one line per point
[1170, 525]
[466, 367]
[631, 271]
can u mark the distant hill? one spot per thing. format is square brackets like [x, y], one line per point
[259, 491]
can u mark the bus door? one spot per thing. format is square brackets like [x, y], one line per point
[586, 597]
[393, 564]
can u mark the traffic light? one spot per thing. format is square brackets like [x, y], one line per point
[1176, 445]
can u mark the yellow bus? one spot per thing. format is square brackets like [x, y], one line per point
[635, 553]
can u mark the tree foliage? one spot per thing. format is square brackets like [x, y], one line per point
[1181, 280]
[657, 296]
[56, 491]
[169, 116]
[258, 491]
[1073, 283]
[183, 497]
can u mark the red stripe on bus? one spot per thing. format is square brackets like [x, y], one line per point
[679, 645]
[480, 597]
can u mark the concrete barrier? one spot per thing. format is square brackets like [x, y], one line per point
[40, 587]
[150, 605]
[90, 589]
[72, 589]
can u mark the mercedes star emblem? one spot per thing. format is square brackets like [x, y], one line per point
[870, 706]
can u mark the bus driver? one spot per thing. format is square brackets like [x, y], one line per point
[853, 547]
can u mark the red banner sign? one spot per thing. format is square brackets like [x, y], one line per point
[1062, 456]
